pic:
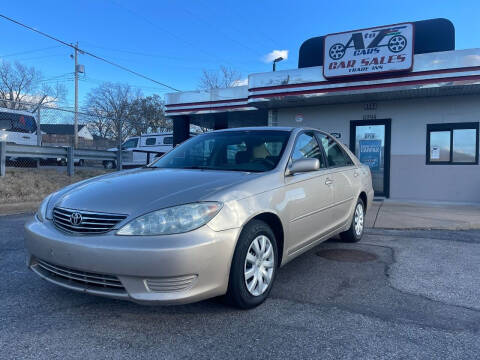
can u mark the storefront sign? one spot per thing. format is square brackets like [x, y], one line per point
[370, 152]
[369, 51]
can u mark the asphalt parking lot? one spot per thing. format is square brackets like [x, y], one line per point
[396, 294]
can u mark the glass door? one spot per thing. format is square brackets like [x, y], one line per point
[370, 141]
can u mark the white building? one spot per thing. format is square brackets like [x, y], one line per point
[411, 112]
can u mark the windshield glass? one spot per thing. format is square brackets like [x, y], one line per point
[243, 150]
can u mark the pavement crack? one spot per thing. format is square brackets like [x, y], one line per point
[393, 233]
[387, 267]
[376, 314]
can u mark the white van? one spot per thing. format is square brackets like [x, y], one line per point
[18, 127]
[159, 143]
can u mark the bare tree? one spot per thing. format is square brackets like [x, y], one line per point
[20, 83]
[110, 105]
[223, 78]
[148, 115]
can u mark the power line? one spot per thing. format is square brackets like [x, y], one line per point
[31, 51]
[232, 25]
[165, 30]
[87, 52]
[219, 31]
[39, 57]
[153, 55]
[141, 87]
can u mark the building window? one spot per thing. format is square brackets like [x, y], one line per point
[455, 143]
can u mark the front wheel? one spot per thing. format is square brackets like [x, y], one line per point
[108, 164]
[355, 232]
[254, 266]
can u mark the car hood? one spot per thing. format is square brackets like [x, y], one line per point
[142, 190]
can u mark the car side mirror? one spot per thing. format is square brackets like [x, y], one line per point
[303, 165]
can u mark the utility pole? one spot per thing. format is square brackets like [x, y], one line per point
[75, 126]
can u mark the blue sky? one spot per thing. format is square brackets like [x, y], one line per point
[172, 41]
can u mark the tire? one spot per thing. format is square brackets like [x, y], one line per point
[255, 235]
[81, 163]
[108, 164]
[355, 232]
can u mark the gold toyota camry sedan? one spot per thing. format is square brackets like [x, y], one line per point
[217, 215]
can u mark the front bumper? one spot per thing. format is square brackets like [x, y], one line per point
[171, 269]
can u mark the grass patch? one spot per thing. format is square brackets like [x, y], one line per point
[22, 185]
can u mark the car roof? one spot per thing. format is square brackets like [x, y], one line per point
[161, 134]
[259, 128]
[20, 112]
[273, 128]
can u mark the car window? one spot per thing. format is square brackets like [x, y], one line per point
[168, 140]
[335, 155]
[5, 124]
[199, 154]
[17, 122]
[30, 124]
[130, 143]
[306, 146]
[242, 150]
[150, 141]
[233, 150]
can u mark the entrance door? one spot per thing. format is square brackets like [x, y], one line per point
[370, 141]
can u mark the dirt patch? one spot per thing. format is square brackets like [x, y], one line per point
[32, 185]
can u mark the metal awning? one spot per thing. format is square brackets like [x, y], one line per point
[434, 74]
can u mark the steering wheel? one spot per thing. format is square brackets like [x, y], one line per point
[265, 161]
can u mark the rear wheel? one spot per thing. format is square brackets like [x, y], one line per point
[355, 232]
[254, 266]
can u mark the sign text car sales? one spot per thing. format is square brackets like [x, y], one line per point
[375, 50]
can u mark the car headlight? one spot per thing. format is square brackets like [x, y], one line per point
[42, 209]
[173, 220]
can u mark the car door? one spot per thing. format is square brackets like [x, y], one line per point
[146, 143]
[342, 177]
[127, 148]
[308, 196]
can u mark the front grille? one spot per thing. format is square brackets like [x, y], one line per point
[79, 278]
[90, 222]
[171, 284]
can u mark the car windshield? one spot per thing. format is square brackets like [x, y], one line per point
[243, 150]
[130, 143]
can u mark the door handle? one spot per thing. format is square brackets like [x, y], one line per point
[328, 181]
[356, 174]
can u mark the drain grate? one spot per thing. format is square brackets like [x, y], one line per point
[347, 255]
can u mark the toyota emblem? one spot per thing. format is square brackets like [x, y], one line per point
[76, 218]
